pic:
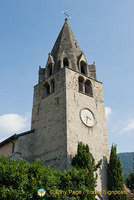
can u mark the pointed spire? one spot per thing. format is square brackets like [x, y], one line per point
[66, 42]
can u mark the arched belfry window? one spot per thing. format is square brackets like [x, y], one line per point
[52, 86]
[83, 67]
[49, 69]
[88, 88]
[81, 84]
[65, 62]
[47, 89]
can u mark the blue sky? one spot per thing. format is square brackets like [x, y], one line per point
[104, 30]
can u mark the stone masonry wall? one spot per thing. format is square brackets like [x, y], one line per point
[95, 137]
[49, 122]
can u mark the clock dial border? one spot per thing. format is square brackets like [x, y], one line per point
[92, 115]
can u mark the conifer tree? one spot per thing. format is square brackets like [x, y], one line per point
[115, 177]
[130, 181]
[84, 160]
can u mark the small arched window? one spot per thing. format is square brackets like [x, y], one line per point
[83, 67]
[88, 88]
[52, 86]
[49, 69]
[47, 89]
[81, 83]
[65, 62]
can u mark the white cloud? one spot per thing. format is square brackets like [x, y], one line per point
[129, 126]
[12, 123]
[108, 112]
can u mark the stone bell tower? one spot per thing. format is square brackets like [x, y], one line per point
[68, 107]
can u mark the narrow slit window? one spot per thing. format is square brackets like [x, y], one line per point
[50, 69]
[83, 67]
[65, 62]
[47, 89]
[52, 86]
[88, 88]
[81, 84]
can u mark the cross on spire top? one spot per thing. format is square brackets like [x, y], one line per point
[66, 13]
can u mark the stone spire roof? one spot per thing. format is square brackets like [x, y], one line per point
[66, 44]
[66, 53]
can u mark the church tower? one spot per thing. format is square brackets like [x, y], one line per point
[68, 107]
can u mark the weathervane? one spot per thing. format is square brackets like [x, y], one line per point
[66, 13]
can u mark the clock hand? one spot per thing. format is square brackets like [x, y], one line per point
[89, 118]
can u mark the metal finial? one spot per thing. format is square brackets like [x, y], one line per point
[66, 13]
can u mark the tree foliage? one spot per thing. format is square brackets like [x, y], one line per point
[130, 181]
[115, 178]
[85, 160]
[21, 180]
[127, 163]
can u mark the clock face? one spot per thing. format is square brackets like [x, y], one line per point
[87, 117]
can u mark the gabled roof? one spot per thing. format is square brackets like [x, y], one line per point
[15, 136]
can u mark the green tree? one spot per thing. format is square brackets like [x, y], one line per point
[130, 181]
[84, 160]
[21, 180]
[115, 177]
